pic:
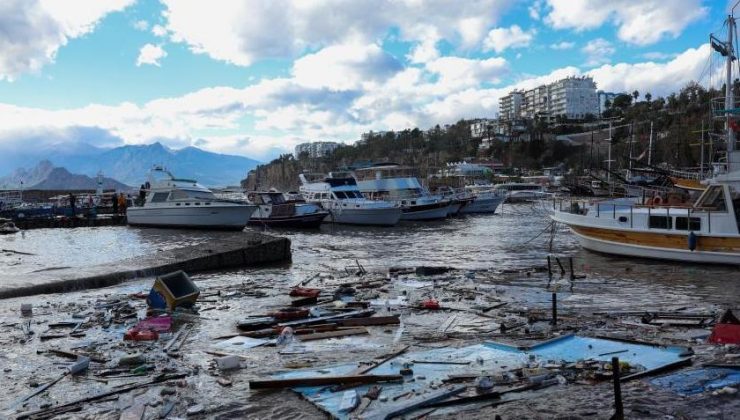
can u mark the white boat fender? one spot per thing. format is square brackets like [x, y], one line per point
[692, 239]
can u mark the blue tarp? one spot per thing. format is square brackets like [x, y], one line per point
[698, 380]
[485, 359]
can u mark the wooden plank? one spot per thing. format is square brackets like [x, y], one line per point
[321, 380]
[323, 319]
[332, 334]
[383, 360]
[369, 321]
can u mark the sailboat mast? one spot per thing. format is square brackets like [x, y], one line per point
[729, 96]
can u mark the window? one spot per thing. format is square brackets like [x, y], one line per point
[714, 198]
[688, 223]
[660, 222]
[340, 195]
[159, 197]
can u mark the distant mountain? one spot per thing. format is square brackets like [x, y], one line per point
[131, 164]
[45, 176]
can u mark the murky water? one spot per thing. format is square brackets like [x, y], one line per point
[518, 239]
[494, 252]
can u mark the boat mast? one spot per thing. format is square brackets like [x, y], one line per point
[729, 95]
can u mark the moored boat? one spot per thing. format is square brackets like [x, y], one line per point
[183, 203]
[518, 192]
[345, 204]
[704, 231]
[485, 200]
[398, 185]
[274, 210]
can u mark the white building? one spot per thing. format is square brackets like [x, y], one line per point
[482, 128]
[573, 97]
[316, 149]
[510, 106]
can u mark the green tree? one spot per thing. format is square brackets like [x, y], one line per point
[635, 95]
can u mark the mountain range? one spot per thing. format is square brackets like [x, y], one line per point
[128, 164]
[45, 176]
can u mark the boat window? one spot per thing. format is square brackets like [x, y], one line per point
[688, 223]
[713, 198]
[660, 222]
[187, 204]
[207, 203]
[340, 195]
[197, 204]
[159, 197]
[177, 204]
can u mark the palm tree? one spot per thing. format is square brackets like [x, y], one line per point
[635, 95]
[648, 97]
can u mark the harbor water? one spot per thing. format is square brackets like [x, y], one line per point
[504, 254]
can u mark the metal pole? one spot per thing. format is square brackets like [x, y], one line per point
[729, 96]
[609, 159]
[701, 158]
[650, 145]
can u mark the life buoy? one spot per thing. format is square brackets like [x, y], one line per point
[657, 201]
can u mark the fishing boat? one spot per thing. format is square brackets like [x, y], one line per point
[485, 199]
[183, 203]
[398, 185]
[275, 210]
[518, 192]
[706, 230]
[339, 196]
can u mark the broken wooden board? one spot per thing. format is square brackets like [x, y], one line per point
[321, 380]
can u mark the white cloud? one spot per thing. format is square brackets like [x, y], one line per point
[159, 30]
[639, 22]
[499, 39]
[32, 31]
[598, 51]
[535, 10]
[565, 45]
[345, 67]
[240, 33]
[150, 54]
[285, 111]
[141, 25]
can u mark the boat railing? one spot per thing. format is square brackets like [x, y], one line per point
[618, 211]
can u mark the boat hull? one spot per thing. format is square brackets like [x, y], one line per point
[307, 221]
[655, 245]
[482, 205]
[211, 217]
[427, 212]
[387, 216]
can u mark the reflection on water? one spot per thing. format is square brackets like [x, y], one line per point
[517, 239]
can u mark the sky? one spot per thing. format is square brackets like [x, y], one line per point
[255, 78]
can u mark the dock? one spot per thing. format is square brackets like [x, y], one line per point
[247, 250]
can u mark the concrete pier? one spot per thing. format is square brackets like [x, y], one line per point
[69, 222]
[249, 249]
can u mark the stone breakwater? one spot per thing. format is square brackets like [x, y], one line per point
[250, 249]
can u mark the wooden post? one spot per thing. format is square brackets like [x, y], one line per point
[572, 274]
[549, 268]
[618, 407]
[554, 309]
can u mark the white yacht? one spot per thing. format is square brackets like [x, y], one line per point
[183, 203]
[397, 184]
[485, 199]
[517, 192]
[345, 204]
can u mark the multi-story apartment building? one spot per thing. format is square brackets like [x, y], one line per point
[572, 97]
[510, 106]
[316, 149]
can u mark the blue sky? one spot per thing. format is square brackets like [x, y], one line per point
[257, 77]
